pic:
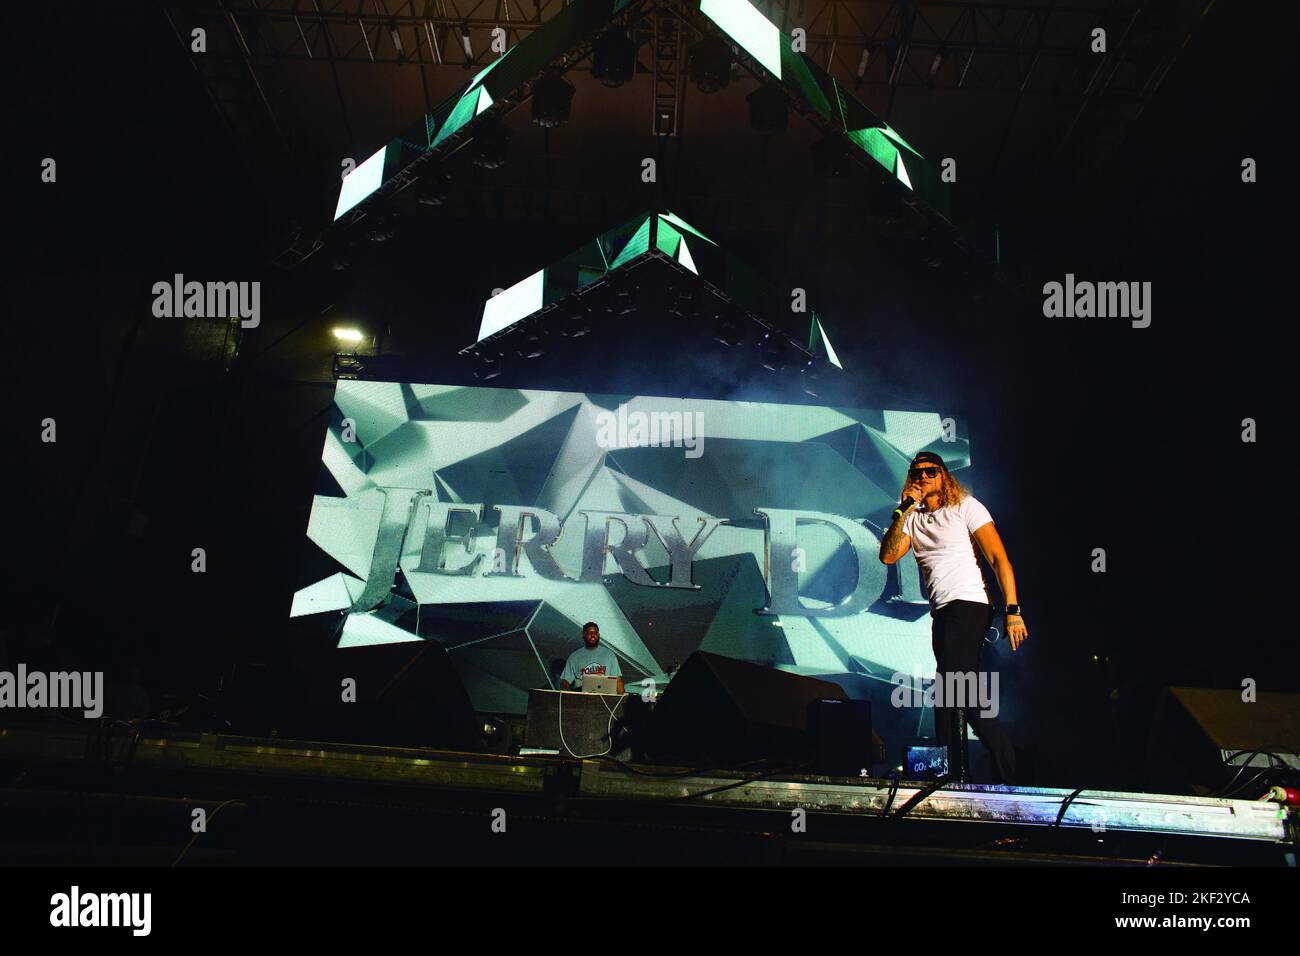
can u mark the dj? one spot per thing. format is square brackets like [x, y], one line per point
[938, 520]
[592, 658]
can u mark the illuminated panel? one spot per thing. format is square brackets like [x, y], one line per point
[901, 172]
[466, 110]
[753, 31]
[667, 239]
[893, 134]
[877, 145]
[361, 182]
[509, 306]
[638, 244]
[830, 351]
[416, 488]
[684, 257]
[684, 225]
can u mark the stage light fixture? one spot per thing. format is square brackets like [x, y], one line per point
[574, 324]
[491, 145]
[770, 353]
[864, 61]
[534, 344]
[464, 41]
[684, 305]
[382, 227]
[433, 187]
[811, 380]
[552, 99]
[768, 111]
[341, 253]
[937, 63]
[728, 329]
[395, 35]
[348, 335]
[624, 302]
[486, 366]
[613, 58]
[711, 65]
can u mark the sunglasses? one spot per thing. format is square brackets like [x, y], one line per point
[918, 472]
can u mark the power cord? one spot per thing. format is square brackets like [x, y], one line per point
[1065, 805]
[609, 730]
[920, 795]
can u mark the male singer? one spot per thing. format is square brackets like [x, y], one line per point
[938, 520]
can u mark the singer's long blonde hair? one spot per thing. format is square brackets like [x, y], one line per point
[951, 490]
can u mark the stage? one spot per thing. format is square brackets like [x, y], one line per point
[128, 795]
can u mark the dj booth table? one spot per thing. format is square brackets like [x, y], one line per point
[577, 724]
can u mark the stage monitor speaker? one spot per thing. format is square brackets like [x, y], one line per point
[839, 731]
[1196, 728]
[718, 710]
[407, 694]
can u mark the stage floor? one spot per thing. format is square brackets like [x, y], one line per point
[135, 789]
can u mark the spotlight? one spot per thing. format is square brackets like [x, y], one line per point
[768, 112]
[624, 303]
[613, 58]
[574, 324]
[711, 65]
[684, 305]
[396, 36]
[728, 329]
[464, 41]
[534, 345]
[937, 62]
[382, 227]
[552, 98]
[491, 144]
[341, 254]
[348, 335]
[432, 188]
[864, 61]
[811, 380]
[486, 366]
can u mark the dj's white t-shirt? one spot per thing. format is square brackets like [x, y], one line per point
[945, 552]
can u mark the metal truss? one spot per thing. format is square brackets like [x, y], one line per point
[430, 32]
[1031, 48]
[1024, 49]
[669, 71]
[980, 46]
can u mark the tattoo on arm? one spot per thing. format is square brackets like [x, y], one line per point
[892, 544]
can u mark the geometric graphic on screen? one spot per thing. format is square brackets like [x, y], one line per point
[407, 543]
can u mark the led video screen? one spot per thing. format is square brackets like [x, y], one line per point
[497, 521]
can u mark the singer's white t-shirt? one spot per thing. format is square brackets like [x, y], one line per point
[945, 552]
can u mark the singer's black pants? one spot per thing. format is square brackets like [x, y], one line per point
[958, 629]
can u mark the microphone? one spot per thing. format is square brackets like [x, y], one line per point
[906, 503]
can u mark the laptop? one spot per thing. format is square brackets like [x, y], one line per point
[599, 684]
